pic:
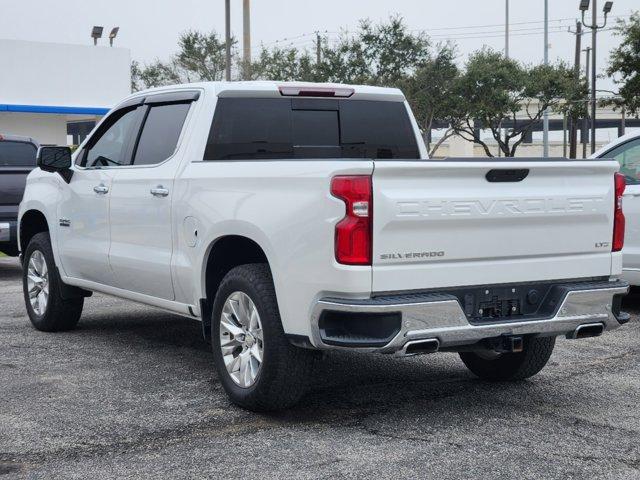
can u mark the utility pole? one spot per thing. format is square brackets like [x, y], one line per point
[545, 136]
[227, 38]
[585, 126]
[246, 37]
[573, 135]
[594, 34]
[506, 30]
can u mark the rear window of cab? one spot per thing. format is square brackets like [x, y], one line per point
[304, 128]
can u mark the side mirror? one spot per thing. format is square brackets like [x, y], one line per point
[56, 159]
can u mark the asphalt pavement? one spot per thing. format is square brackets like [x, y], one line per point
[131, 393]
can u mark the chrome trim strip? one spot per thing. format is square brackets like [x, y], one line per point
[445, 320]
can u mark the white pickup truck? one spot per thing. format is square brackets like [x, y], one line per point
[292, 218]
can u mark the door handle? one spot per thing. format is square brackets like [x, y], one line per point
[631, 195]
[159, 191]
[101, 189]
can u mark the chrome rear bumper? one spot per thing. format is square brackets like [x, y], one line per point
[441, 317]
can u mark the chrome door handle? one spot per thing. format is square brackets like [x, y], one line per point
[100, 189]
[159, 191]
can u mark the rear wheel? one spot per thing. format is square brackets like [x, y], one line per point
[42, 287]
[258, 367]
[511, 366]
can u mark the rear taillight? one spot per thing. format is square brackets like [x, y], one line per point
[353, 232]
[618, 216]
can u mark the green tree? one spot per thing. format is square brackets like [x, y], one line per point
[494, 88]
[431, 92]
[379, 54]
[624, 64]
[201, 57]
[286, 64]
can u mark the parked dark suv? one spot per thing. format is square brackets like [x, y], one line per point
[17, 159]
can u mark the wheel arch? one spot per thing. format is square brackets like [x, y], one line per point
[223, 254]
[32, 222]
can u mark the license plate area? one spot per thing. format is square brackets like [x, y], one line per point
[509, 302]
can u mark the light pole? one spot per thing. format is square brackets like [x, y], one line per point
[506, 29]
[585, 124]
[584, 6]
[246, 38]
[545, 121]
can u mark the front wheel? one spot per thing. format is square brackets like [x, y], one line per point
[258, 367]
[511, 366]
[48, 310]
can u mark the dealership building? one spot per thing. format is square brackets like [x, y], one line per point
[55, 93]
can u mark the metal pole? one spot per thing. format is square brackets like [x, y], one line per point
[227, 38]
[506, 30]
[573, 135]
[545, 137]
[594, 35]
[246, 37]
[564, 135]
[623, 122]
[585, 129]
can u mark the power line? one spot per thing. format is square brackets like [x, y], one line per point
[309, 37]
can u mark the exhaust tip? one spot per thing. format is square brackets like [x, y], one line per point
[419, 347]
[588, 330]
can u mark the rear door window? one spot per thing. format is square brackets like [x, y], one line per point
[160, 133]
[251, 128]
[17, 154]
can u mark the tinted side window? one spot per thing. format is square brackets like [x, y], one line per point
[250, 128]
[17, 154]
[628, 156]
[160, 133]
[111, 146]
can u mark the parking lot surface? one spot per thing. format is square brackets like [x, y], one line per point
[132, 393]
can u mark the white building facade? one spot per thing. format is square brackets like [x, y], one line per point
[54, 92]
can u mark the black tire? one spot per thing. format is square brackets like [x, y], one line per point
[285, 369]
[60, 314]
[512, 366]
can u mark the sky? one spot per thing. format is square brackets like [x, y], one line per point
[150, 28]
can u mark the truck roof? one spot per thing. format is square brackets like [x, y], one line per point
[17, 138]
[266, 89]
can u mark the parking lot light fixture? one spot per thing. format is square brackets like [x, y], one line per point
[113, 34]
[96, 33]
[607, 8]
[584, 5]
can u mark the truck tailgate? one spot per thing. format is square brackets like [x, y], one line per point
[442, 224]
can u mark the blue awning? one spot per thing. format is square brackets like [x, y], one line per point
[53, 109]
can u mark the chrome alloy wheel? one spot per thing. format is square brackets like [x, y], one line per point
[241, 339]
[38, 282]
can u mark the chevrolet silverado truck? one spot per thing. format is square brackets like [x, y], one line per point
[17, 159]
[294, 218]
